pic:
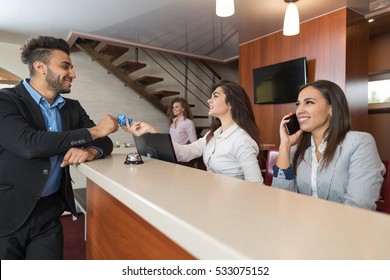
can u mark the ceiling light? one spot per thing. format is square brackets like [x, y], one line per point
[224, 8]
[291, 19]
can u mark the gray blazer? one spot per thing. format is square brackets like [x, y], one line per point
[353, 177]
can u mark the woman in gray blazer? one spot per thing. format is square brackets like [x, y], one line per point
[325, 158]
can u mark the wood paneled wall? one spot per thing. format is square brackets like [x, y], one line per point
[379, 59]
[336, 48]
[115, 232]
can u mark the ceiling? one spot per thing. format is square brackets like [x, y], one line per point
[184, 26]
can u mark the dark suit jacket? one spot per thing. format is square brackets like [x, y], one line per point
[25, 148]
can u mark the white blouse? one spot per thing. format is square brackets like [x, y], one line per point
[183, 131]
[315, 164]
[232, 153]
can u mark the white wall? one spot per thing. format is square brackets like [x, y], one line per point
[10, 60]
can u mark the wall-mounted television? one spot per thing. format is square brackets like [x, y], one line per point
[280, 82]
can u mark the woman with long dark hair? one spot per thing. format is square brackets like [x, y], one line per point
[325, 158]
[231, 146]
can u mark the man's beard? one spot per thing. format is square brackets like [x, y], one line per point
[55, 83]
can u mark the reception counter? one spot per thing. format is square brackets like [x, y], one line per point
[160, 210]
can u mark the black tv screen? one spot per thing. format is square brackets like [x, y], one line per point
[279, 83]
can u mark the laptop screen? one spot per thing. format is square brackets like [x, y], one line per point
[156, 145]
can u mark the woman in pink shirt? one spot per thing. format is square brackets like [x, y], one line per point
[182, 128]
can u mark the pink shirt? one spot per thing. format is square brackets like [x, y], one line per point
[183, 131]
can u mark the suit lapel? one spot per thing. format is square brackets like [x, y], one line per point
[65, 118]
[304, 169]
[325, 176]
[31, 106]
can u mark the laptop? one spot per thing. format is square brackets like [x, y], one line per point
[156, 145]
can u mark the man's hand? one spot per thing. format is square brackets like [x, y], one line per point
[108, 125]
[79, 155]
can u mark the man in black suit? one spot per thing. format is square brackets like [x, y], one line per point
[41, 134]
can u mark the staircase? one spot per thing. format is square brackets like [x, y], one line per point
[114, 58]
[108, 54]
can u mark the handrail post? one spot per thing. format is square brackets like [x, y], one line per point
[186, 79]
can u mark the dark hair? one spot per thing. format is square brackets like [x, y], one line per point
[241, 109]
[187, 112]
[39, 49]
[339, 125]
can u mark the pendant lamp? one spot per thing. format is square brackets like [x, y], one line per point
[291, 19]
[224, 8]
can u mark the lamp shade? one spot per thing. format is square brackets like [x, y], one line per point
[291, 20]
[224, 8]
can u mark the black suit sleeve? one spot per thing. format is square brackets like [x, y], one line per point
[73, 108]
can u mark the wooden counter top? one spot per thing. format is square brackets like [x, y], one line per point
[216, 217]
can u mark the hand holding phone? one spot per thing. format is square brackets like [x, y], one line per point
[293, 125]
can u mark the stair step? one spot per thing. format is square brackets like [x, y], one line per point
[148, 80]
[130, 66]
[112, 52]
[94, 44]
[200, 117]
[200, 128]
[164, 93]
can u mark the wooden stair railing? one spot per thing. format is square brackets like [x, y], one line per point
[7, 77]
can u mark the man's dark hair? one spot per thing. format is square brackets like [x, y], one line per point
[39, 49]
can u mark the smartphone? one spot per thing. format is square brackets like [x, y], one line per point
[293, 125]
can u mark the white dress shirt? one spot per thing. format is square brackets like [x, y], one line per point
[315, 164]
[232, 153]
